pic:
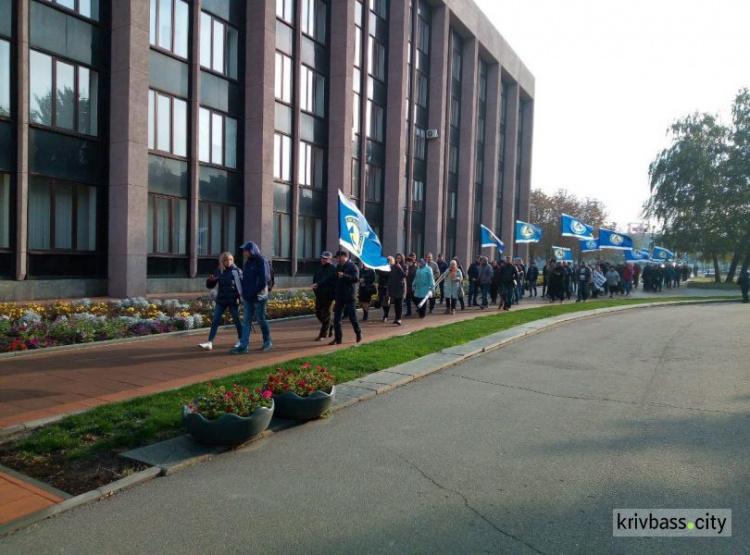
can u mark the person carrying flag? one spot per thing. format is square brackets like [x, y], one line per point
[345, 295]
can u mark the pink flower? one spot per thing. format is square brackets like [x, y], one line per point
[266, 394]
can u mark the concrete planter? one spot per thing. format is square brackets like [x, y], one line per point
[293, 407]
[228, 429]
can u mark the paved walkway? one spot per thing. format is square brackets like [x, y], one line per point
[19, 498]
[46, 384]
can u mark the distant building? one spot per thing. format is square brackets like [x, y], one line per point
[139, 139]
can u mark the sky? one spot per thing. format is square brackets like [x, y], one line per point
[611, 77]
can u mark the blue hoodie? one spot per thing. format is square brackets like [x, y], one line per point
[256, 274]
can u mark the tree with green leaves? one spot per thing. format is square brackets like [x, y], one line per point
[700, 192]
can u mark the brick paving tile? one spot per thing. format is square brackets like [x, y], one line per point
[18, 498]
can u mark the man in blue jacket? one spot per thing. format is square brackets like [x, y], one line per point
[345, 294]
[255, 280]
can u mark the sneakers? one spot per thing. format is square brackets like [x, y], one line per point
[319, 338]
[359, 337]
[207, 346]
[267, 346]
[334, 342]
[239, 351]
[397, 322]
[236, 345]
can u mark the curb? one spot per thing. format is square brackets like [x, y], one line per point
[351, 393]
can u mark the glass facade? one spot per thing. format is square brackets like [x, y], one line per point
[504, 89]
[300, 140]
[455, 63]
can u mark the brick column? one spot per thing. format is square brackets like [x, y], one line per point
[394, 192]
[527, 142]
[128, 154]
[340, 114]
[509, 192]
[194, 103]
[438, 98]
[491, 147]
[21, 32]
[466, 152]
[259, 123]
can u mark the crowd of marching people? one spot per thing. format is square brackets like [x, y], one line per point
[416, 286]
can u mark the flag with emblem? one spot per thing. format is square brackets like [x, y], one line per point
[573, 227]
[612, 240]
[635, 255]
[527, 233]
[588, 245]
[489, 239]
[660, 254]
[356, 236]
[562, 254]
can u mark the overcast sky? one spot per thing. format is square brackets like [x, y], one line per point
[612, 76]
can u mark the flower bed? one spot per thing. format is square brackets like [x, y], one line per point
[36, 326]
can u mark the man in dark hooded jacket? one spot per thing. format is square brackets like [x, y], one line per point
[255, 280]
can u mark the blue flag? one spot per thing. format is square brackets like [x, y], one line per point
[635, 255]
[561, 253]
[661, 254]
[489, 239]
[527, 233]
[356, 236]
[572, 227]
[589, 245]
[613, 240]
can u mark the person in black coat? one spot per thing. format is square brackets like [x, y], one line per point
[396, 288]
[226, 281]
[508, 276]
[367, 279]
[557, 284]
[345, 295]
[532, 276]
[324, 285]
[744, 282]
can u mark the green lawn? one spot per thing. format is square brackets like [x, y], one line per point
[145, 420]
[709, 283]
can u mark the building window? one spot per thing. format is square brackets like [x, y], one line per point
[422, 87]
[4, 211]
[374, 183]
[167, 225]
[310, 165]
[282, 158]
[356, 119]
[167, 124]
[309, 237]
[4, 78]
[377, 60]
[357, 47]
[456, 64]
[312, 91]
[285, 10]
[423, 36]
[282, 233]
[217, 139]
[453, 159]
[283, 83]
[455, 112]
[63, 95]
[356, 182]
[420, 143]
[452, 205]
[219, 46]
[217, 228]
[417, 196]
[375, 121]
[62, 216]
[378, 7]
[85, 8]
[313, 18]
[170, 26]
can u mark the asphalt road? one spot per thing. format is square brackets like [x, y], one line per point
[525, 450]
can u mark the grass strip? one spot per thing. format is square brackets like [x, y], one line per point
[144, 420]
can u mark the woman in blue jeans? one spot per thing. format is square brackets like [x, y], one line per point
[226, 285]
